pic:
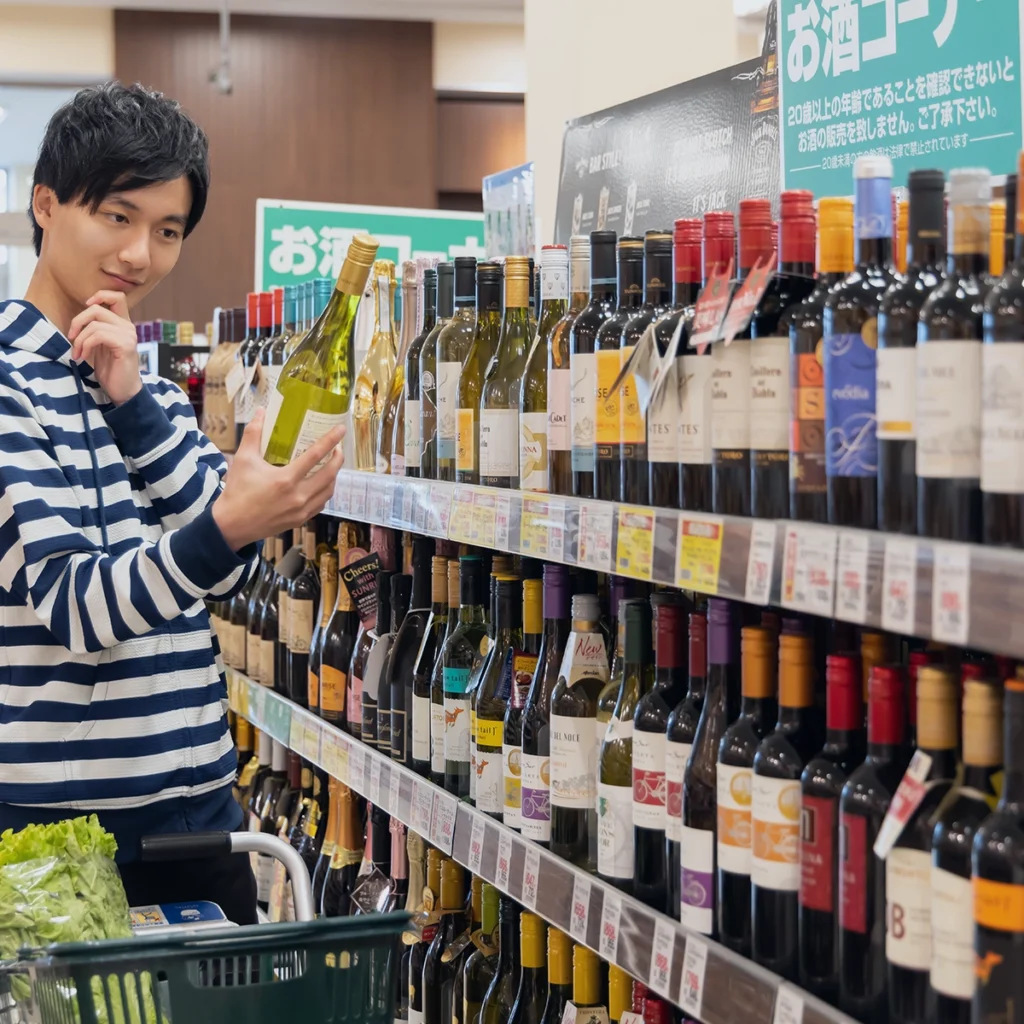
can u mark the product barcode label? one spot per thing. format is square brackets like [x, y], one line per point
[476, 845]
[691, 985]
[531, 876]
[660, 978]
[852, 577]
[504, 865]
[580, 915]
[611, 914]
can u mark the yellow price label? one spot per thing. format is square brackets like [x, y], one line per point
[700, 553]
[295, 734]
[460, 526]
[634, 553]
[533, 529]
[485, 517]
[311, 741]
[242, 696]
[335, 757]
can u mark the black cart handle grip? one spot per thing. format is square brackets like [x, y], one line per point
[185, 846]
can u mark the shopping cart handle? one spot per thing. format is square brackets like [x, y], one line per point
[185, 846]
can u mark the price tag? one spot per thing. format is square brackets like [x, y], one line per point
[808, 568]
[533, 530]
[335, 757]
[691, 986]
[395, 794]
[311, 741]
[596, 526]
[629, 1017]
[389, 501]
[295, 734]
[460, 528]
[409, 506]
[580, 915]
[789, 1005]
[504, 866]
[634, 554]
[531, 876]
[660, 978]
[439, 518]
[358, 483]
[234, 380]
[556, 530]
[374, 794]
[611, 913]
[760, 562]
[484, 520]
[257, 705]
[446, 808]
[852, 577]
[899, 584]
[476, 844]
[342, 500]
[907, 798]
[375, 493]
[951, 591]
[423, 807]
[502, 521]
[700, 553]
[357, 769]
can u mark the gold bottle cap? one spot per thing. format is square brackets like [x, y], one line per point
[409, 274]
[434, 859]
[356, 269]
[501, 565]
[559, 958]
[758, 661]
[796, 671]
[835, 235]
[997, 237]
[620, 992]
[936, 709]
[983, 723]
[533, 606]
[586, 985]
[532, 939]
[439, 580]
[453, 885]
[873, 651]
[517, 267]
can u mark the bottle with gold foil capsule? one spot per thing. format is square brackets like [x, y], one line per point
[586, 987]
[374, 376]
[430, 905]
[874, 650]
[328, 599]
[439, 974]
[952, 978]
[620, 992]
[776, 810]
[499, 402]
[453, 345]
[634, 472]
[315, 387]
[531, 996]
[489, 277]
[807, 484]
[391, 434]
[338, 637]
[607, 403]
[908, 934]
[559, 976]
[735, 785]
[901, 220]
[996, 238]
[1009, 222]
[482, 961]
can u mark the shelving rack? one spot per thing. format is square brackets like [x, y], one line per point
[709, 982]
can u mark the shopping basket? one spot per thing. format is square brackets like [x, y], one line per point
[331, 971]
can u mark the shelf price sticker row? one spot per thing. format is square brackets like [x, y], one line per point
[699, 553]
[634, 548]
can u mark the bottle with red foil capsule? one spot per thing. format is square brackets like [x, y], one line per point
[776, 810]
[769, 357]
[821, 785]
[695, 373]
[663, 415]
[862, 807]
[679, 733]
[649, 741]
[730, 391]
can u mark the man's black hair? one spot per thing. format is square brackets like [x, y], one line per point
[117, 138]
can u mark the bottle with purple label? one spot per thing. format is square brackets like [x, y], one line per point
[851, 337]
[700, 783]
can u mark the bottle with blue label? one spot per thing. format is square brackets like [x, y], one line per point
[850, 340]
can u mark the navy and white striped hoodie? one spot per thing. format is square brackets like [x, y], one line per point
[112, 695]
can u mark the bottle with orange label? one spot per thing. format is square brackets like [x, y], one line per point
[997, 863]
[735, 783]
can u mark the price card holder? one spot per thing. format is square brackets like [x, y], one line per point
[440, 510]
[375, 497]
[899, 584]
[358, 483]
[533, 534]
[409, 506]
[258, 706]
[294, 740]
[595, 543]
[395, 795]
[660, 977]
[852, 577]
[421, 510]
[335, 757]
[502, 521]
[442, 829]
[531, 876]
[342, 500]
[484, 519]
[699, 553]
[277, 717]
[760, 562]
[422, 808]
[634, 552]
[375, 769]
[691, 985]
[809, 568]
[357, 768]
[392, 493]
[504, 864]
[580, 913]
[789, 1005]
[460, 527]
[951, 593]
[476, 844]
[311, 740]
[557, 531]
[611, 915]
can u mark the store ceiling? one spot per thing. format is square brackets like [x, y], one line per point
[500, 11]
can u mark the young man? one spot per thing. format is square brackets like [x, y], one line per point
[117, 516]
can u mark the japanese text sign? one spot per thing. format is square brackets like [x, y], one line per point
[928, 83]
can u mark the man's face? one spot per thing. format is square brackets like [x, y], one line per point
[129, 244]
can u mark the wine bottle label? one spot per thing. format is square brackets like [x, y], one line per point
[853, 873]
[697, 879]
[332, 690]
[573, 762]
[851, 447]
[269, 376]
[252, 656]
[499, 443]
[238, 646]
[300, 628]
[584, 658]
[614, 831]
[436, 737]
[535, 820]
[353, 709]
[949, 409]
[554, 283]
[632, 425]
[1002, 418]
[908, 892]
[817, 853]
[533, 451]
[472, 753]
[490, 776]
[896, 393]
[649, 793]
[268, 659]
[615, 730]
[807, 435]
[465, 440]
[676, 756]
[312, 689]
[559, 410]
[397, 464]
[730, 396]
[381, 464]
[447, 408]
[456, 728]
[234, 380]
[283, 619]
[663, 425]
[413, 440]
[583, 370]
[695, 382]
[245, 399]
[420, 728]
[952, 966]
[608, 426]
[734, 825]
[775, 851]
[314, 426]
[769, 394]
[512, 772]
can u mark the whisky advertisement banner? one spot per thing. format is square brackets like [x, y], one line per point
[702, 145]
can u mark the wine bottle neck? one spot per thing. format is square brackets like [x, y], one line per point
[686, 293]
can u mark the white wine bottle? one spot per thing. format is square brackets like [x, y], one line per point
[374, 377]
[315, 387]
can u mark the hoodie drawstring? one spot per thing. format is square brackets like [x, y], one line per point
[100, 507]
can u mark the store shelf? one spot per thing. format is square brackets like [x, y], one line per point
[709, 982]
[962, 594]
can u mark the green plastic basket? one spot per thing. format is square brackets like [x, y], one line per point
[331, 971]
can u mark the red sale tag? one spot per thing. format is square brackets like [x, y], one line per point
[580, 908]
[711, 307]
[746, 298]
[905, 801]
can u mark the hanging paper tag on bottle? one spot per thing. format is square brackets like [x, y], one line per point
[905, 801]
[712, 304]
[746, 298]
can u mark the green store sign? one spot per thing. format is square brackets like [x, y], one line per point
[928, 83]
[298, 241]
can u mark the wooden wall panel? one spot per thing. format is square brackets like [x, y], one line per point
[477, 137]
[324, 110]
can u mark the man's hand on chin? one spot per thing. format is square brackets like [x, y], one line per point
[103, 336]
